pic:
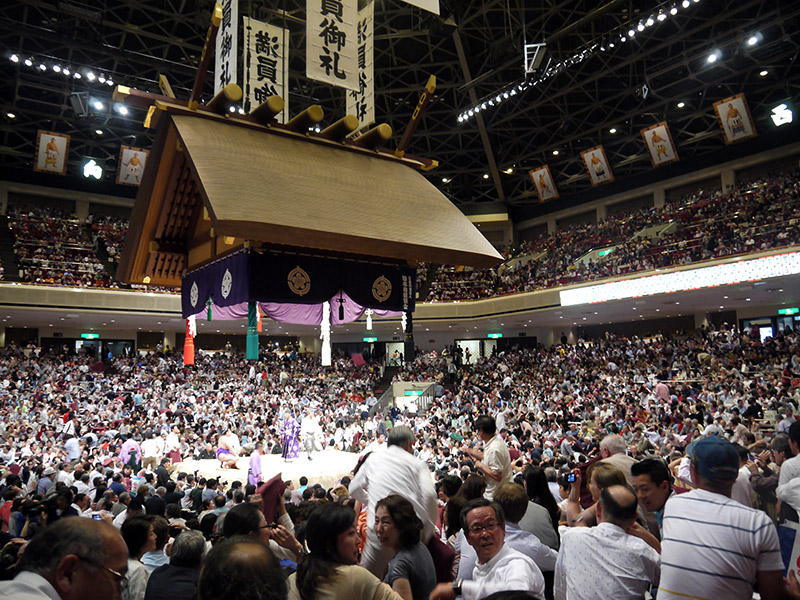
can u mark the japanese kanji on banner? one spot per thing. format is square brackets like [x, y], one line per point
[265, 65]
[225, 57]
[331, 42]
[361, 102]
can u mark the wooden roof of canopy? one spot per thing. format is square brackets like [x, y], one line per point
[213, 182]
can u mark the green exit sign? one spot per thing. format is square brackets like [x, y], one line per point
[90, 336]
[789, 311]
[494, 336]
[370, 339]
[413, 392]
[605, 252]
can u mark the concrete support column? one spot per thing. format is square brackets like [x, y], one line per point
[728, 179]
[82, 209]
[551, 225]
[700, 319]
[659, 197]
[2, 337]
[601, 213]
[169, 340]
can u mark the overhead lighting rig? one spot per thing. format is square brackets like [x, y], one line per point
[622, 34]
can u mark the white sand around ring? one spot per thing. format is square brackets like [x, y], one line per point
[326, 468]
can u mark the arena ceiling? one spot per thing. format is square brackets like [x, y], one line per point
[474, 48]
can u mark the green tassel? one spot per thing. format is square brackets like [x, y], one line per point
[209, 304]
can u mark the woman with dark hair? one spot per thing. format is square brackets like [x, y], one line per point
[411, 571]
[542, 516]
[140, 537]
[247, 519]
[473, 487]
[330, 570]
[451, 518]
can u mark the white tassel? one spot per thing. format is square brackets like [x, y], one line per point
[404, 321]
[369, 318]
[192, 326]
[325, 334]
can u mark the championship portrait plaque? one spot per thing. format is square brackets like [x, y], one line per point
[51, 152]
[734, 117]
[131, 165]
[597, 165]
[543, 181]
[659, 144]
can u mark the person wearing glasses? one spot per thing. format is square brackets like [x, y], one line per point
[499, 567]
[73, 559]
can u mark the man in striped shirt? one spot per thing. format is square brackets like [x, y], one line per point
[713, 547]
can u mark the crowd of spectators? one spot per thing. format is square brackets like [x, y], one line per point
[110, 233]
[55, 248]
[487, 491]
[756, 215]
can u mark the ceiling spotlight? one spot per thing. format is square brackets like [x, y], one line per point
[66, 72]
[623, 39]
[661, 17]
[681, 104]
[555, 152]
[685, 4]
[673, 11]
[640, 26]
[612, 130]
[764, 73]
[98, 105]
[509, 171]
[754, 39]
[122, 109]
[28, 62]
[611, 44]
[650, 22]
[90, 76]
[714, 57]
[109, 82]
[631, 33]
[102, 78]
[57, 68]
[445, 180]
[505, 95]
[98, 131]
[471, 113]
[42, 67]
[13, 58]
[77, 75]
[486, 176]
[11, 115]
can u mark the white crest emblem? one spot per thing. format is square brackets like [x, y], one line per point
[194, 294]
[227, 283]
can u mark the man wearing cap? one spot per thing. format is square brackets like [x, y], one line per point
[714, 547]
[46, 481]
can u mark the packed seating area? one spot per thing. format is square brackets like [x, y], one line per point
[562, 430]
[110, 232]
[55, 248]
[755, 216]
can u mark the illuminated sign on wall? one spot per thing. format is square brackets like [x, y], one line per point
[90, 336]
[494, 336]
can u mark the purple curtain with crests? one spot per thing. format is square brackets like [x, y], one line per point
[297, 314]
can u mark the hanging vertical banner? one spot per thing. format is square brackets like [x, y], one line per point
[734, 117]
[131, 165]
[225, 56]
[265, 65]
[597, 165]
[361, 102]
[659, 144]
[331, 42]
[52, 150]
[543, 181]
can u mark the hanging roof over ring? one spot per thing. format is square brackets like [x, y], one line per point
[214, 183]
